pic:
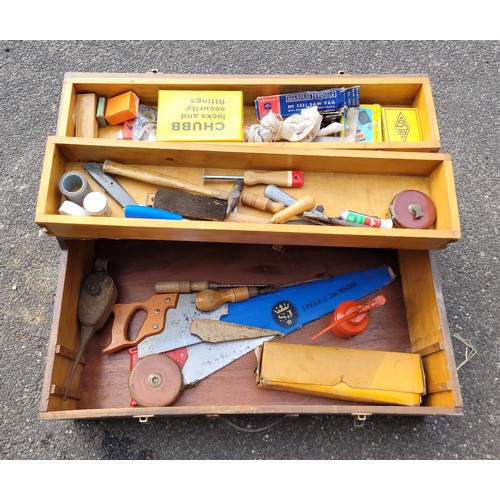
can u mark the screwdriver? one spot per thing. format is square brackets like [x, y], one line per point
[210, 299]
[186, 286]
[287, 178]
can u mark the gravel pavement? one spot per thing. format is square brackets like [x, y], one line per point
[465, 82]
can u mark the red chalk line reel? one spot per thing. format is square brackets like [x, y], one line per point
[351, 318]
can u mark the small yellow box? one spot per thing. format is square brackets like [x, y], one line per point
[360, 375]
[401, 125]
[191, 115]
[121, 108]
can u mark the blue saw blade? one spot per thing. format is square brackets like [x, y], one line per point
[292, 307]
[283, 311]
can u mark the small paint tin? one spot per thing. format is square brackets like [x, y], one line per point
[412, 210]
[96, 204]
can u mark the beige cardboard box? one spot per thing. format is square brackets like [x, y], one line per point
[351, 374]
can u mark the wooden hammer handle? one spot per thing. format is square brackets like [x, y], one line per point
[160, 179]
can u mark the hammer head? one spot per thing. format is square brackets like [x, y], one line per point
[234, 196]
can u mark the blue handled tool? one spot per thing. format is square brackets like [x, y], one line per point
[145, 212]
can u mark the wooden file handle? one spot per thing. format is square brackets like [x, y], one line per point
[160, 179]
[289, 178]
[261, 202]
[237, 217]
[208, 300]
[296, 208]
[181, 286]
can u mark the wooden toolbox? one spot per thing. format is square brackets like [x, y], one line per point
[141, 252]
[386, 90]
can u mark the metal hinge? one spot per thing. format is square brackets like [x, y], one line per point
[143, 419]
[360, 419]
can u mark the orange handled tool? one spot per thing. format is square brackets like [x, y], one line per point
[287, 178]
[351, 318]
[156, 308]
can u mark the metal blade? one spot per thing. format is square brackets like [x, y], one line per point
[109, 184]
[210, 330]
[177, 326]
[207, 358]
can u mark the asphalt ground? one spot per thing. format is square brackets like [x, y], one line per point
[465, 82]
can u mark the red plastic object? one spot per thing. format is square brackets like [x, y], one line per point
[297, 179]
[351, 318]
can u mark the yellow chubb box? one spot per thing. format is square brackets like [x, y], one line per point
[191, 115]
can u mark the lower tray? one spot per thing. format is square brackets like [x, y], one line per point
[412, 320]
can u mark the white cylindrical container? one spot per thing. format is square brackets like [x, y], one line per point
[96, 204]
[70, 208]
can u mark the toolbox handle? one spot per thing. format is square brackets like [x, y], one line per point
[256, 429]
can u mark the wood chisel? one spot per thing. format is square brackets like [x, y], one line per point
[186, 286]
[297, 208]
[288, 178]
[109, 184]
[282, 312]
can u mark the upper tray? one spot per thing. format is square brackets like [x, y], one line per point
[387, 90]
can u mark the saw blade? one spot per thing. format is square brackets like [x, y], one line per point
[213, 331]
[206, 358]
[177, 326]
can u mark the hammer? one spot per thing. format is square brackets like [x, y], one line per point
[234, 196]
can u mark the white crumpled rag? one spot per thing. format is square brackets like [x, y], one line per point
[296, 128]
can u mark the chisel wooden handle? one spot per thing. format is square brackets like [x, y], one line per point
[288, 178]
[159, 179]
[208, 300]
[299, 207]
[237, 217]
[261, 202]
[182, 286]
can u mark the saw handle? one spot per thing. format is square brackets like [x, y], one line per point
[208, 300]
[156, 311]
